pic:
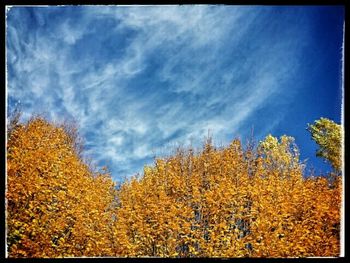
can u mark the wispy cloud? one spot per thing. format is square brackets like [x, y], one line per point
[140, 78]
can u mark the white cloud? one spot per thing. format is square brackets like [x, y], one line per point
[70, 34]
[141, 151]
[192, 45]
[116, 140]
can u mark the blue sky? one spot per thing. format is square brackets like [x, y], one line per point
[142, 80]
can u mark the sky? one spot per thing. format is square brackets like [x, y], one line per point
[141, 80]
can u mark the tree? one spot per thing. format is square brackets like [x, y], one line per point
[232, 201]
[56, 206]
[229, 202]
[328, 135]
[280, 155]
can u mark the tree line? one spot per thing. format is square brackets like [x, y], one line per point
[233, 201]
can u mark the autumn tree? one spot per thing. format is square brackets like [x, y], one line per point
[328, 135]
[229, 202]
[293, 217]
[56, 205]
[233, 201]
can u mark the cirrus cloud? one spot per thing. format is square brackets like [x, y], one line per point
[140, 79]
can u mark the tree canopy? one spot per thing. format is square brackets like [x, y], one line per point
[56, 205]
[328, 135]
[233, 201]
[226, 203]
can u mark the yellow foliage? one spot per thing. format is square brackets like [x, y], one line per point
[229, 202]
[218, 202]
[56, 206]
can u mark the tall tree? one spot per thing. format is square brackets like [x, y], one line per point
[216, 202]
[229, 203]
[56, 205]
[328, 135]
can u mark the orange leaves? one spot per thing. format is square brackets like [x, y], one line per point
[50, 194]
[227, 202]
[211, 205]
